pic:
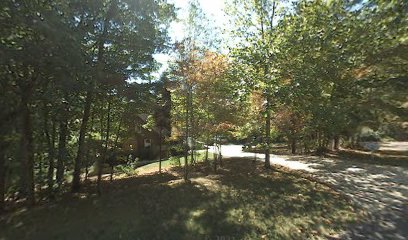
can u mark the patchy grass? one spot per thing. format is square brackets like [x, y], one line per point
[392, 158]
[240, 201]
[172, 162]
[379, 157]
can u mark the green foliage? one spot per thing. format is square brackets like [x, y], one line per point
[333, 65]
[67, 69]
[128, 169]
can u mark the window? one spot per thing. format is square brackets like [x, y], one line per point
[147, 143]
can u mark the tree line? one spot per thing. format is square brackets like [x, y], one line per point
[310, 73]
[321, 69]
[68, 86]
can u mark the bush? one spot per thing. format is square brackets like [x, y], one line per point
[175, 161]
[176, 150]
[127, 169]
[370, 137]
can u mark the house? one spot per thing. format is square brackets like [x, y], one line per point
[144, 143]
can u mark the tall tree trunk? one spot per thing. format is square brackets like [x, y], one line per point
[206, 153]
[160, 150]
[186, 147]
[266, 72]
[207, 141]
[76, 181]
[50, 138]
[2, 176]
[268, 136]
[192, 128]
[118, 131]
[27, 151]
[6, 127]
[88, 148]
[88, 160]
[215, 155]
[105, 152]
[220, 154]
[62, 140]
[115, 143]
[293, 145]
[336, 142]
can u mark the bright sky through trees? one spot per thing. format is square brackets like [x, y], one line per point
[213, 8]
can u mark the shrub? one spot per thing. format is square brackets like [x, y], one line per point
[370, 137]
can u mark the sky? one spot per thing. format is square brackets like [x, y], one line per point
[214, 10]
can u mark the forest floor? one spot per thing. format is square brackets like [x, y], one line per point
[378, 188]
[241, 200]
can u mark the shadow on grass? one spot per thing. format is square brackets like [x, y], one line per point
[378, 158]
[381, 190]
[240, 201]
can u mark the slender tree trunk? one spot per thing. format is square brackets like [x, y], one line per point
[293, 145]
[192, 129]
[206, 154]
[2, 176]
[160, 150]
[88, 102]
[115, 145]
[88, 148]
[336, 142]
[27, 151]
[220, 154]
[207, 141]
[118, 131]
[266, 72]
[88, 160]
[105, 152]
[215, 155]
[76, 181]
[268, 134]
[63, 129]
[186, 138]
[51, 152]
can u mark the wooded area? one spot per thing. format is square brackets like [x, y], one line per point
[76, 75]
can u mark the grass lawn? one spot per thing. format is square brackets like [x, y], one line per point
[172, 162]
[240, 201]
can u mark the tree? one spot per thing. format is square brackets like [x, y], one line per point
[115, 52]
[255, 23]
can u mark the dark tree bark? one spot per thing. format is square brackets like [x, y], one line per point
[105, 152]
[215, 158]
[186, 138]
[293, 145]
[160, 150]
[115, 143]
[220, 154]
[268, 98]
[76, 181]
[50, 138]
[88, 160]
[62, 139]
[88, 149]
[336, 142]
[2, 176]
[27, 151]
[192, 159]
[268, 136]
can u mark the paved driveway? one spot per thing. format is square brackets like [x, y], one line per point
[381, 190]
